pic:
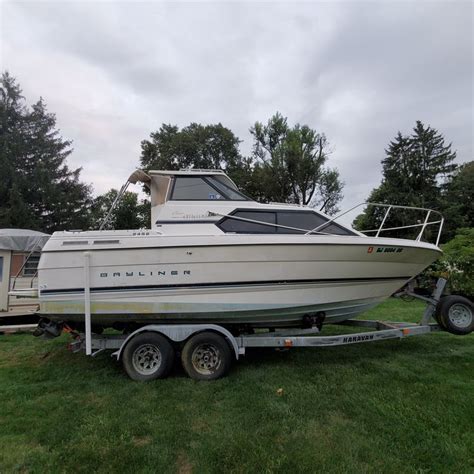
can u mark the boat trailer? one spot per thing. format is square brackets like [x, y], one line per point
[207, 350]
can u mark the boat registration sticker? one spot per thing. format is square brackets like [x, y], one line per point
[384, 249]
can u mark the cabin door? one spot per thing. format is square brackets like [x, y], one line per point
[5, 258]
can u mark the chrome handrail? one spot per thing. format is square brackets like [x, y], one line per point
[383, 221]
[122, 191]
[425, 224]
[399, 227]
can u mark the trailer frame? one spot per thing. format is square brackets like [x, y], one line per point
[378, 331]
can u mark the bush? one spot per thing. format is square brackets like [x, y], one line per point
[456, 264]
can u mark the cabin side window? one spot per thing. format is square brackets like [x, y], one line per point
[298, 220]
[294, 222]
[307, 221]
[244, 227]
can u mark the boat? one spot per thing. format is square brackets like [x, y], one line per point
[214, 255]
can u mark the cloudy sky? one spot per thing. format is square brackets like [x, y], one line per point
[113, 71]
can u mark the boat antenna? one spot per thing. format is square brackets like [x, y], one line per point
[137, 175]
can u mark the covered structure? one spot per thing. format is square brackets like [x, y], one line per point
[19, 255]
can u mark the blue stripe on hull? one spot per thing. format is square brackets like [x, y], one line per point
[108, 289]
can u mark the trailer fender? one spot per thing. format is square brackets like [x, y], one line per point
[179, 333]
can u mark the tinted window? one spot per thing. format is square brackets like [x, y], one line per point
[243, 227]
[195, 188]
[230, 193]
[307, 221]
[300, 220]
[336, 229]
[225, 181]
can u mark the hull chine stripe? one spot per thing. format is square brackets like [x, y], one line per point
[107, 289]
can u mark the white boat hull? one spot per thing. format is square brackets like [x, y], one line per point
[256, 280]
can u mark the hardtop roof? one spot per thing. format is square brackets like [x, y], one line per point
[188, 172]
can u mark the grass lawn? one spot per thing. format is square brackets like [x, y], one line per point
[391, 406]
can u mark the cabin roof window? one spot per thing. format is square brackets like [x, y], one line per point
[205, 188]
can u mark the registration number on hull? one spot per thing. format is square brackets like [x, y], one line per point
[384, 250]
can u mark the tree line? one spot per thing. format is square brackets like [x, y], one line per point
[418, 170]
[288, 163]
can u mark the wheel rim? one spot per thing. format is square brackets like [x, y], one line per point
[146, 359]
[206, 359]
[460, 315]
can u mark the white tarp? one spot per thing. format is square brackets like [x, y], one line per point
[22, 240]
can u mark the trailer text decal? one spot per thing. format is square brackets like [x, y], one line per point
[347, 339]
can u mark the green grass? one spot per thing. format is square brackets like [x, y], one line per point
[392, 406]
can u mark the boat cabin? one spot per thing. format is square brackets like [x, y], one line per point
[212, 202]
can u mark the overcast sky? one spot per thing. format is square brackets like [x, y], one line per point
[358, 71]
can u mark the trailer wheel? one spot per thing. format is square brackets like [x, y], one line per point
[206, 356]
[148, 356]
[455, 314]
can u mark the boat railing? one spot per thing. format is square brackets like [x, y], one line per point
[422, 225]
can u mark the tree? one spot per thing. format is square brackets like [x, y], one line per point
[290, 165]
[456, 265]
[194, 146]
[38, 190]
[458, 206]
[416, 171]
[12, 113]
[269, 154]
[330, 192]
[129, 213]
[287, 164]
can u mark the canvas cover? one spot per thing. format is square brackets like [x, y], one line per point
[22, 240]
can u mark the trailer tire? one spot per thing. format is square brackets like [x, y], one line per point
[206, 356]
[455, 314]
[148, 356]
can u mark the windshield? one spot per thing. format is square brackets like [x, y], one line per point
[204, 188]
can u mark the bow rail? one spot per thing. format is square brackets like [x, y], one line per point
[426, 223]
